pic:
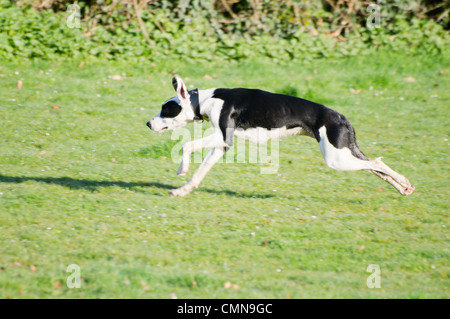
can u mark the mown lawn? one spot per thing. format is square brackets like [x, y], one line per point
[84, 181]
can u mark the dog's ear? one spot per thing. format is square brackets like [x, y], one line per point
[180, 88]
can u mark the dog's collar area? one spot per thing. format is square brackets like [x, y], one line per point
[195, 102]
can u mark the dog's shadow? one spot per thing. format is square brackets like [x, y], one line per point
[93, 185]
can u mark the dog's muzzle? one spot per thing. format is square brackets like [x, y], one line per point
[156, 128]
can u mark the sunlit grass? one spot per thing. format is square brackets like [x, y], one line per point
[84, 181]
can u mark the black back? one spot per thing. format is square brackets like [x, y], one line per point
[248, 108]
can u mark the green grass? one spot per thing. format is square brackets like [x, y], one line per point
[88, 184]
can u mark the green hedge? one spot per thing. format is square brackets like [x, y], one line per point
[204, 30]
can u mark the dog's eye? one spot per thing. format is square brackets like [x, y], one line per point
[170, 109]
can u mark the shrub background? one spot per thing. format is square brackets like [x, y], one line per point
[220, 29]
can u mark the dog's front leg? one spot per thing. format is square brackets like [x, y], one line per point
[213, 156]
[213, 140]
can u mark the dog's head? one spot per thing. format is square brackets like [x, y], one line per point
[177, 111]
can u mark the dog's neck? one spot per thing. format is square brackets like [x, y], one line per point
[197, 98]
[195, 103]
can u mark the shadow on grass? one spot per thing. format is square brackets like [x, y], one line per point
[93, 185]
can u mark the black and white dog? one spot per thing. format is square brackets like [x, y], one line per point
[259, 116]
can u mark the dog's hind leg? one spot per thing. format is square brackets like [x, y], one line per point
[400, 182]
[402, 190]
[344, 155]
[213, 156]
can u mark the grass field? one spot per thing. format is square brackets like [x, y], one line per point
[84, 181]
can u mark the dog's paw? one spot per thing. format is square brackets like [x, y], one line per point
[180, 192]
[408, 191]
[182, 169]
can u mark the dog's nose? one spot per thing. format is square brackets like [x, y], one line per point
[149, 124]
